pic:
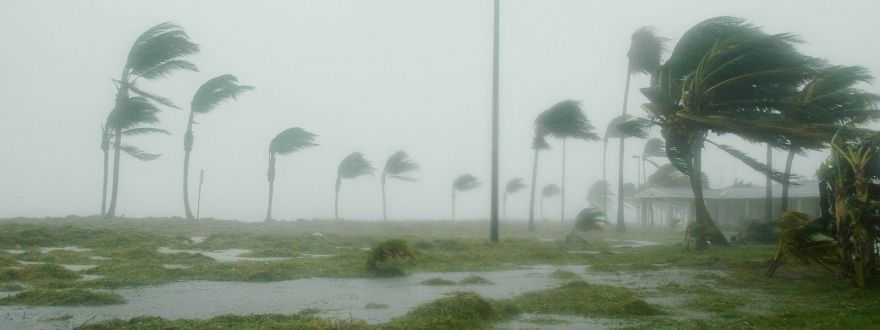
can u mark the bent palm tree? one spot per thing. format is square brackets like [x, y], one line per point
[207, 98]
[513, 186]
[285, 143]
[643, 57]
[395, 167]
[464, 182]
[538, 144]
[549, 190]
[352, 166]
[565, 120]
[155, 54]
[588, 219]
[137, 153]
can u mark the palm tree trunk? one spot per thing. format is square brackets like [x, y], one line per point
[111, 212]
[453, 204]
[336, 199]
[504, 207]
[700, 211]
[187, 148]
[270, 174]
[105, 147]
[384, 214]
[542, 207]
[532, 198]
[621, 226]
[768, 199]
[604, 176]
[787, 180]
[562, 199]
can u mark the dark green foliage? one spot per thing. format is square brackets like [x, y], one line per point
[589, 219]
[354, 165]
[398, 164]
[475, 280]
[300, 321]
[385, 256]
[461, 310]
[291, 140]
[438, 281]
[565, 120]
[580, 298]
[465, 182]
[514, 185]
[550, 190]
[760, 231]
[215, 91]
[645, 50]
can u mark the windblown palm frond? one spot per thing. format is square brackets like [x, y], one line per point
[215, 91]
[145, 131]
[514, 185]
[354, 165]
[589, 219]
[831, 96]
[153, 97]
[645, 50]
[550, 190]
[627, 126]
[805, 240]
[138, 153]
[755, 164]
[667, 176]
[540, 143]
[157, 52]
[291, 140]
[596, 194]
[465, 182]
[563, 120]
[655, 147]
[133, 112]
[398, 164]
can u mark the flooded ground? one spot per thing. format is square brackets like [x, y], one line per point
[335, 298]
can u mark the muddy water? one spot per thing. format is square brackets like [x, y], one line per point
[336, 298]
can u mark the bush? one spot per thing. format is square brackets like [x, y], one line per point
[385, 258]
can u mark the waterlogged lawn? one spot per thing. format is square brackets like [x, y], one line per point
[633, 280]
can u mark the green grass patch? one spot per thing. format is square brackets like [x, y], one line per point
[562, 274]
[475, 280]
[582, 299]
[63, 297]
[265, 321]
[438, 281]
[375, 306]
[461, 310]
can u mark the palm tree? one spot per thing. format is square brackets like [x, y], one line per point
[207, 98]
[137, 153]
[654, 148]
[156, 53]
[725, 76]
[513, 186]
[549, 190]
[831, 97]
[352, 166]
[285, 143]
[643, 57]
[588, 219]
[464, 182]
[624, 126]
[395, 167]
[538, 144]
[597, 195]
[565, 120]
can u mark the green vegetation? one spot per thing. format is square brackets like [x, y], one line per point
[462, 310]
[63, 297]
[472, 280]
[580, 298]
[438, 281]
[269, 321]
[375, 306]
[475, 280]
[563, 274]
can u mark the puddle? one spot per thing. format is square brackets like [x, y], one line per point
[560, 322]
[197, 239]
[230, 255]
[176, 266]
[637, 244]
[13, 251]
[583, 251]
[76, 268]
[547, 240]
[31, 262]
[90, 277]
[310, 255]
[99, 258]
[45, 250]
[336, 298]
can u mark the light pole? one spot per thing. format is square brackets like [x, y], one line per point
[493, 210]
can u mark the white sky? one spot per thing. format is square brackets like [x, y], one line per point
[369, 76]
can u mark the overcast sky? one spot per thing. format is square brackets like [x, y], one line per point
[369, 76]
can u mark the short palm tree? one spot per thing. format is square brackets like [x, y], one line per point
[513, 186]
[352, 166]
[549, 190]
[156, 53]
[285, 143]
[462, 183]
[643, 57]
[207, 98]
[396, 167]
[538, 144]
[588, 219]
[565, 120]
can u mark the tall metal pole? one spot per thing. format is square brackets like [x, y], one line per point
[493, 215]
[199, 201]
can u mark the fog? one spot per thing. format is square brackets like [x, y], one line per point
[368, 76]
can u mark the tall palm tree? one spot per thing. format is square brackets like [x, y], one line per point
[285, 143]
[156, 53]
[643, 57]
[549, 190]
[624, 126]
[597, 195]
[831, 96]
[137, 153]
[725, 76]
[513, 186]
[464, 182]
[565, 120]
[207, 98]
[352, 166]
[395, 167]
[538, 144]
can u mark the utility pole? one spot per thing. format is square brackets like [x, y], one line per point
[493, 213]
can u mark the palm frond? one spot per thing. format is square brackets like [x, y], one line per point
[135, 111]
[354, 165]
[565, 119]
[627, 126]
[514, 185]
[465, 182]
[156, 98]
[589, 219]
[144, 131]
[156, 52]
[655, 147]
[215, 91]
[645, 50]
[138, 153]
[667, 176]
[755, 164]
[550, 190]
[400, 163]
[596, 195]
[167, 68]
[291, 140]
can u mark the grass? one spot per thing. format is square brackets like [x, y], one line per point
[475, 280]
[461, 310]
[438, 281]
[562, 274]
[266, 321]
[582, 299]
[63, 297]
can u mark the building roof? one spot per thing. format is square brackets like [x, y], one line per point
[803, 189]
